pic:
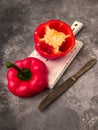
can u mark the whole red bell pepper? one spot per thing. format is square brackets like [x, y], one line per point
[27, 77]
[53, 39]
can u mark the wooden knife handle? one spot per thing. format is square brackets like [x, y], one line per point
[86, 67]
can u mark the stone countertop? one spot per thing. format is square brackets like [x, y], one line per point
[77, 109]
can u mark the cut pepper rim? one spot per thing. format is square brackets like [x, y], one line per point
[37, 39]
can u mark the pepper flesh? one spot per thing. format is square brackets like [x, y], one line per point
[37, 81]
[54, 39]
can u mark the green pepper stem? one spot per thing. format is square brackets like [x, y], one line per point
[9, 65]
[23, 74]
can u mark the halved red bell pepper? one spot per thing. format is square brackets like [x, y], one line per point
[53, 39]
[27, 77]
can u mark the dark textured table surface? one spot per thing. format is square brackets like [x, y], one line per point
[77, 109]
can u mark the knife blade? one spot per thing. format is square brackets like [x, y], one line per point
[66, 85]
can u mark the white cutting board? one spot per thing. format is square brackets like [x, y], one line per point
[58, 66]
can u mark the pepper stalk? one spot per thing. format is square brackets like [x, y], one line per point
[23, 74]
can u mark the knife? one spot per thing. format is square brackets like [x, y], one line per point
[64, 86]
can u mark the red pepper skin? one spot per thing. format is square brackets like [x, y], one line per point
[46, 50]
[36, 84]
